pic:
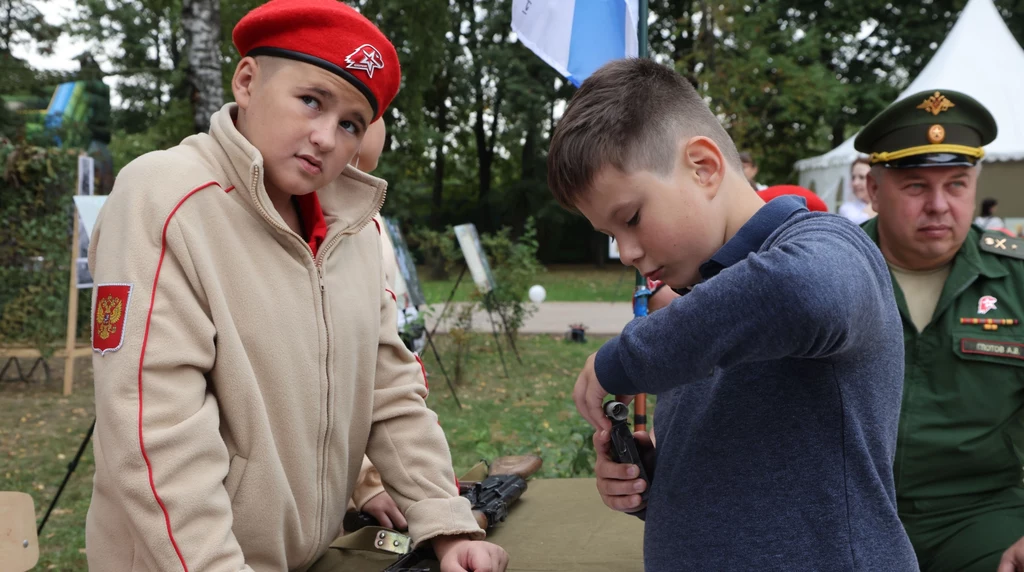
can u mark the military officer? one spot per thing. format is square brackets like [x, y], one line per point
[960, 292]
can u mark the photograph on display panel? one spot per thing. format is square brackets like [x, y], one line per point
[406, 263]
[86, 189]
[476, 260]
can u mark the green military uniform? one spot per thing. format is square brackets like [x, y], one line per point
[960, 449]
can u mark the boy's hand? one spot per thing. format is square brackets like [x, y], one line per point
[1013, 558]
[383, 508]
[589, 397]
[460, 554]
[617, 482]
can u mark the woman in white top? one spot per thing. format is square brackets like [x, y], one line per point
[988, 219]
[859, 209]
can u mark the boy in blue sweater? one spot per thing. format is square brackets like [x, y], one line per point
[779, 373]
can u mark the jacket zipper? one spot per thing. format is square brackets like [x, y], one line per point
[323, 313]
[318, 263]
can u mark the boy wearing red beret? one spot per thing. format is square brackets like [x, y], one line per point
[246, 353]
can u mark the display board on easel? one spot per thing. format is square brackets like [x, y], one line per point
[406, 265]
[480, 270]
[87, 209]
[476, 260]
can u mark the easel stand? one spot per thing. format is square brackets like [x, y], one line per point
[451, 295]
[491, 307]
[430, 337]
[497, 340]
[440, 364]
[69, 345]
[489, 303]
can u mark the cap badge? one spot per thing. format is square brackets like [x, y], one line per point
[936, 104]
[936, 134]
[366, 58]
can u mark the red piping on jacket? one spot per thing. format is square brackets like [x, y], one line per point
[142, 360]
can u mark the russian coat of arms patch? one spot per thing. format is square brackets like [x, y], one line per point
[109, 316]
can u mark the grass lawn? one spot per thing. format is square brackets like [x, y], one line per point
[40, 431]
[564, 283]
[529, 412]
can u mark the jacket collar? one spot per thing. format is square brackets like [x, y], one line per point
[969, 257]
[968, 264]
[349, 202]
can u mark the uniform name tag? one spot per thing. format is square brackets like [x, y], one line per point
[992, 348]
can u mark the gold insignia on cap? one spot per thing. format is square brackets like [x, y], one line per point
[936, 104]
[936, 134]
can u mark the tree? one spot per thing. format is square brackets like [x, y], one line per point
[22, 23]
[201, 21]
[419, 118]
[470, 128]
[143, 43]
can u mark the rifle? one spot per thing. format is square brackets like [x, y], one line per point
[485, 492]
[491, 497]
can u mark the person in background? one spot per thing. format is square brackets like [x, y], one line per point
[988, 219]
[369, 495]
[366, 161]
[750, 170]
[859, 209]
[813, 201]
[960, 294]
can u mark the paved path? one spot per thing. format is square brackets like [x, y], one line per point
[600, 318]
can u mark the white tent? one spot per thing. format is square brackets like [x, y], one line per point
[981, 58]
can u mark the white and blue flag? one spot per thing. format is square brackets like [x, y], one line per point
[577, 36]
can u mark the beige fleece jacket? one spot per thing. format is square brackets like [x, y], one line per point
[250, 377]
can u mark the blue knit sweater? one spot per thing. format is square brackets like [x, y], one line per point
[779, 380]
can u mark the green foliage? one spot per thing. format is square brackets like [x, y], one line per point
[513, 262]
[515, 266]
[531, 412]
[469, 130]
[794, 78]
[564, 283]
[167, 131]
[35, 236]
[40, 431]
[143, 43]
[21, 23]
[438, 249]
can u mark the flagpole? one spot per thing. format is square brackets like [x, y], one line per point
[641, 293]
[641, 30]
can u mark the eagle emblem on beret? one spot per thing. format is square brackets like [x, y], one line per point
[366, 58]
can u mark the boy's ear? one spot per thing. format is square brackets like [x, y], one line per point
[703, 157]
[244, 81]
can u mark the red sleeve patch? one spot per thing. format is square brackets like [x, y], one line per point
[109, 316]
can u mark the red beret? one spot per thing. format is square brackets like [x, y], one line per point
[328, 34]
[814, 202]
